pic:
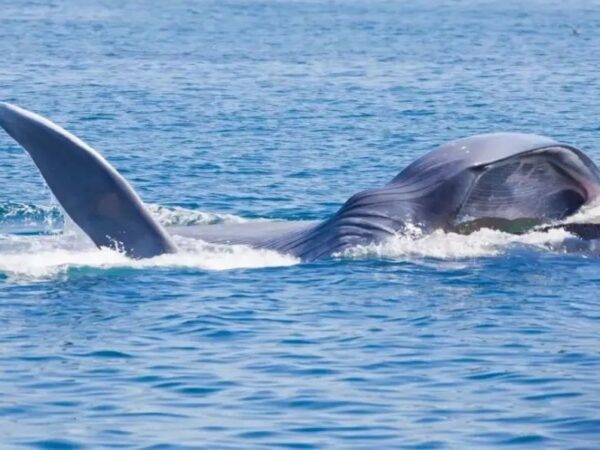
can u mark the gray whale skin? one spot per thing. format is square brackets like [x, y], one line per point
[509, 181]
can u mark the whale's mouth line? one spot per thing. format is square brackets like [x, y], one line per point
[514, 226]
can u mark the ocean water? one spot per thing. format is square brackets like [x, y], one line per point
[229, 111]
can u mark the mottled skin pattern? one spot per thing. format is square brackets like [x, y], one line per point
[509, 181]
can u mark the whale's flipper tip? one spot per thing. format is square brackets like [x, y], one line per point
[10, 108]
[6, 110]
[21, 123]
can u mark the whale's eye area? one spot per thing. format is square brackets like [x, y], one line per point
[518, 195]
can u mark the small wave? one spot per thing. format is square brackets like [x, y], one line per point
[482, 243]
[587, 214]
[176, 216]
[53, 215]
[44, 256]
[26, 258]
[49, 216]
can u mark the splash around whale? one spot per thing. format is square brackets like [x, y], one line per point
[512, 182]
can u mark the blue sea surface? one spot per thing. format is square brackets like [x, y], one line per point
[233, 111]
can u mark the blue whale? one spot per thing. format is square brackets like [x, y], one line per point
[509, 181]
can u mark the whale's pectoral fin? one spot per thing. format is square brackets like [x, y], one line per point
[91, 191]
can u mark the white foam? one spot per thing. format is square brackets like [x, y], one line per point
[442, 245]
[587, 214]
[31, 258]
[40, 257]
